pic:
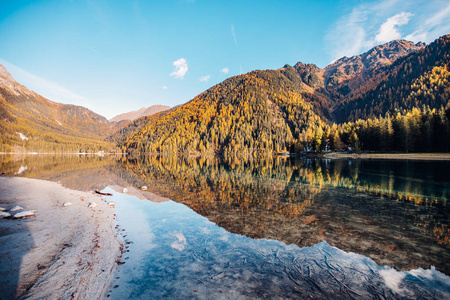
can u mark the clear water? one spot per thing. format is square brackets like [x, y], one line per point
[272, 229]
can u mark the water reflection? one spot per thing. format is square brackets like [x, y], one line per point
[394, 212]
[178, 254]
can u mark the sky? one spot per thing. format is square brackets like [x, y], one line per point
[115, 56]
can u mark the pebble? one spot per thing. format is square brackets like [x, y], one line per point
[24, 214]
[16, 208]
[125, 190]
[92, 204]
[67, 204]
[4, 215]
[144, 188]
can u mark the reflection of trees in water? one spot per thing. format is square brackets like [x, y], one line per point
[305, 202]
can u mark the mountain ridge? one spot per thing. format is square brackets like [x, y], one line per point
[28, 119]
[299, 103]
[136, 114]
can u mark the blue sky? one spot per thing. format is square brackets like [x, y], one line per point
[114, 56]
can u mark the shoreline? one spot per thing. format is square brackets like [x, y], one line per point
[414, 156]
[63, 251]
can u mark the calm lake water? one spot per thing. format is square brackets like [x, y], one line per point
[274, 228]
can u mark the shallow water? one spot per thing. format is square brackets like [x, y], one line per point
[276, 228]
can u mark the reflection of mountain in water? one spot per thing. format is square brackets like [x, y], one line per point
[396, 214]
[305, 202]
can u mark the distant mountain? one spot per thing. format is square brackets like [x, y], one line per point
[298, 107]
[30, 121]
[145, 111]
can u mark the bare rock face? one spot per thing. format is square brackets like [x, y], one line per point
[353, 70]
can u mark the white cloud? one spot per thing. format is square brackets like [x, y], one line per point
[45, 87]
[180, 243]
[225, 70]
[164, 87]
[369, 24]
[389, 30]
[435, 25]
[204, 78]
[181, 68]
[233, 34]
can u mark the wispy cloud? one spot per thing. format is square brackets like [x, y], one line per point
[389, 30]
[233, 34]
[435, 25]
[181, 68]
[92, 49]
[45, 87]
[369, 24]
[164, 87]
[225, 70]
[204, 78]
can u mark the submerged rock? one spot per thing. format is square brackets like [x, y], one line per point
[67, 204]
[16, 208]
[92, 205]
[4, 215]
[24, 214]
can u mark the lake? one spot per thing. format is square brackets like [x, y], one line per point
[273, 228]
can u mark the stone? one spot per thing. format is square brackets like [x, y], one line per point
[67, 204]
[4, 215]
[144, 188]
[16, 208]
[24, 214]
[111, 204]
[2, 209]
[125, 190]
[92, 205]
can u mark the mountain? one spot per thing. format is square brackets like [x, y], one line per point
[302, 107]
[30, 121]
[145, 111]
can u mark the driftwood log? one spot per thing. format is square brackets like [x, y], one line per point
[104, 194]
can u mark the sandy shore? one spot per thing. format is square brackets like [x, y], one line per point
[416, 156]
[61, 252]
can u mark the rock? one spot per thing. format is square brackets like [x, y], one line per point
[16, 208]
[24, 214]
[111, 204]
[67, 204]
[92, 205]
[125, 190]
[2, 209]
[4, 215]
[144, 188]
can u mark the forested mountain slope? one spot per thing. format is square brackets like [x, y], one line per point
[259, 112]
[32, 122]
[296, 108]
